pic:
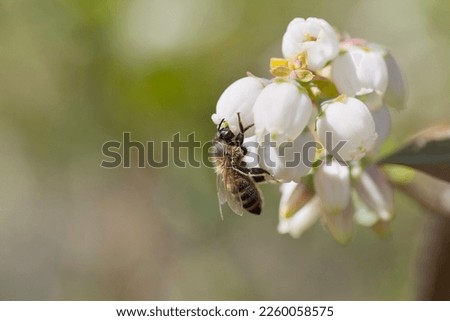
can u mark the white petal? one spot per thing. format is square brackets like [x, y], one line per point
[344, 74]
[293, 197]
[293, 37]
[347, 120]
[282, 110]
[286, 189]
[252, 157]
[315, 37]
[371, 98]
[240, 96]
[359, 71]
[290, 161]
[332, 185]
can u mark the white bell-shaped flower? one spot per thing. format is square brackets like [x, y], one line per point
[240, 97]
[302, 220]
[289, 161]
[332, 185]
[281, 110]
[361, 72]
[315, 37]
[293, 197]
[376, 192]
[346, 128]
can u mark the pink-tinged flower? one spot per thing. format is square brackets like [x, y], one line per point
[361, 72]
[315, 37]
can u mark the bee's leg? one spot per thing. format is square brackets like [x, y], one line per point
[257, 174]
[240, 139]
[242, 169]
[260, 175]
[244, 150]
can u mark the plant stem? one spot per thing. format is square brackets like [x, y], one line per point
[433, 273]
[434, 261]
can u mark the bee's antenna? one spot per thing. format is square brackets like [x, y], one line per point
[248, 127]
[220, 124]
[241, 127]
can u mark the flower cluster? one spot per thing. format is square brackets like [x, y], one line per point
[319, 122]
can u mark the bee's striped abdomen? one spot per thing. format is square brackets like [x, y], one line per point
[249, 195]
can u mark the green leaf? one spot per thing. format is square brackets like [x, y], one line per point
[428, 151]
[327, 89]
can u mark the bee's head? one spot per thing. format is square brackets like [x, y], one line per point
[224, 132]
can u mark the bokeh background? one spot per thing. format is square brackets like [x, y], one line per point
[74, 74]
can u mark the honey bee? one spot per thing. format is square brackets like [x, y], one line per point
[236, 184]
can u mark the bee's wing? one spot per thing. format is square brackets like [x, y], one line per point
[221, 193]
[227, 192]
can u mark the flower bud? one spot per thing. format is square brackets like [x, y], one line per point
[361, 73]
[382, 120]
[282, 110]
[350, 125]
[289, 161]
[302, 220]
[376, 192]
[332, 185]
[293, 197]
[395, 95]
[315, 37]
[363, 215]
[382, 229]
[240, 97]
[340, 226]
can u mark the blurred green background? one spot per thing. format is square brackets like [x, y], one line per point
[74, 74]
